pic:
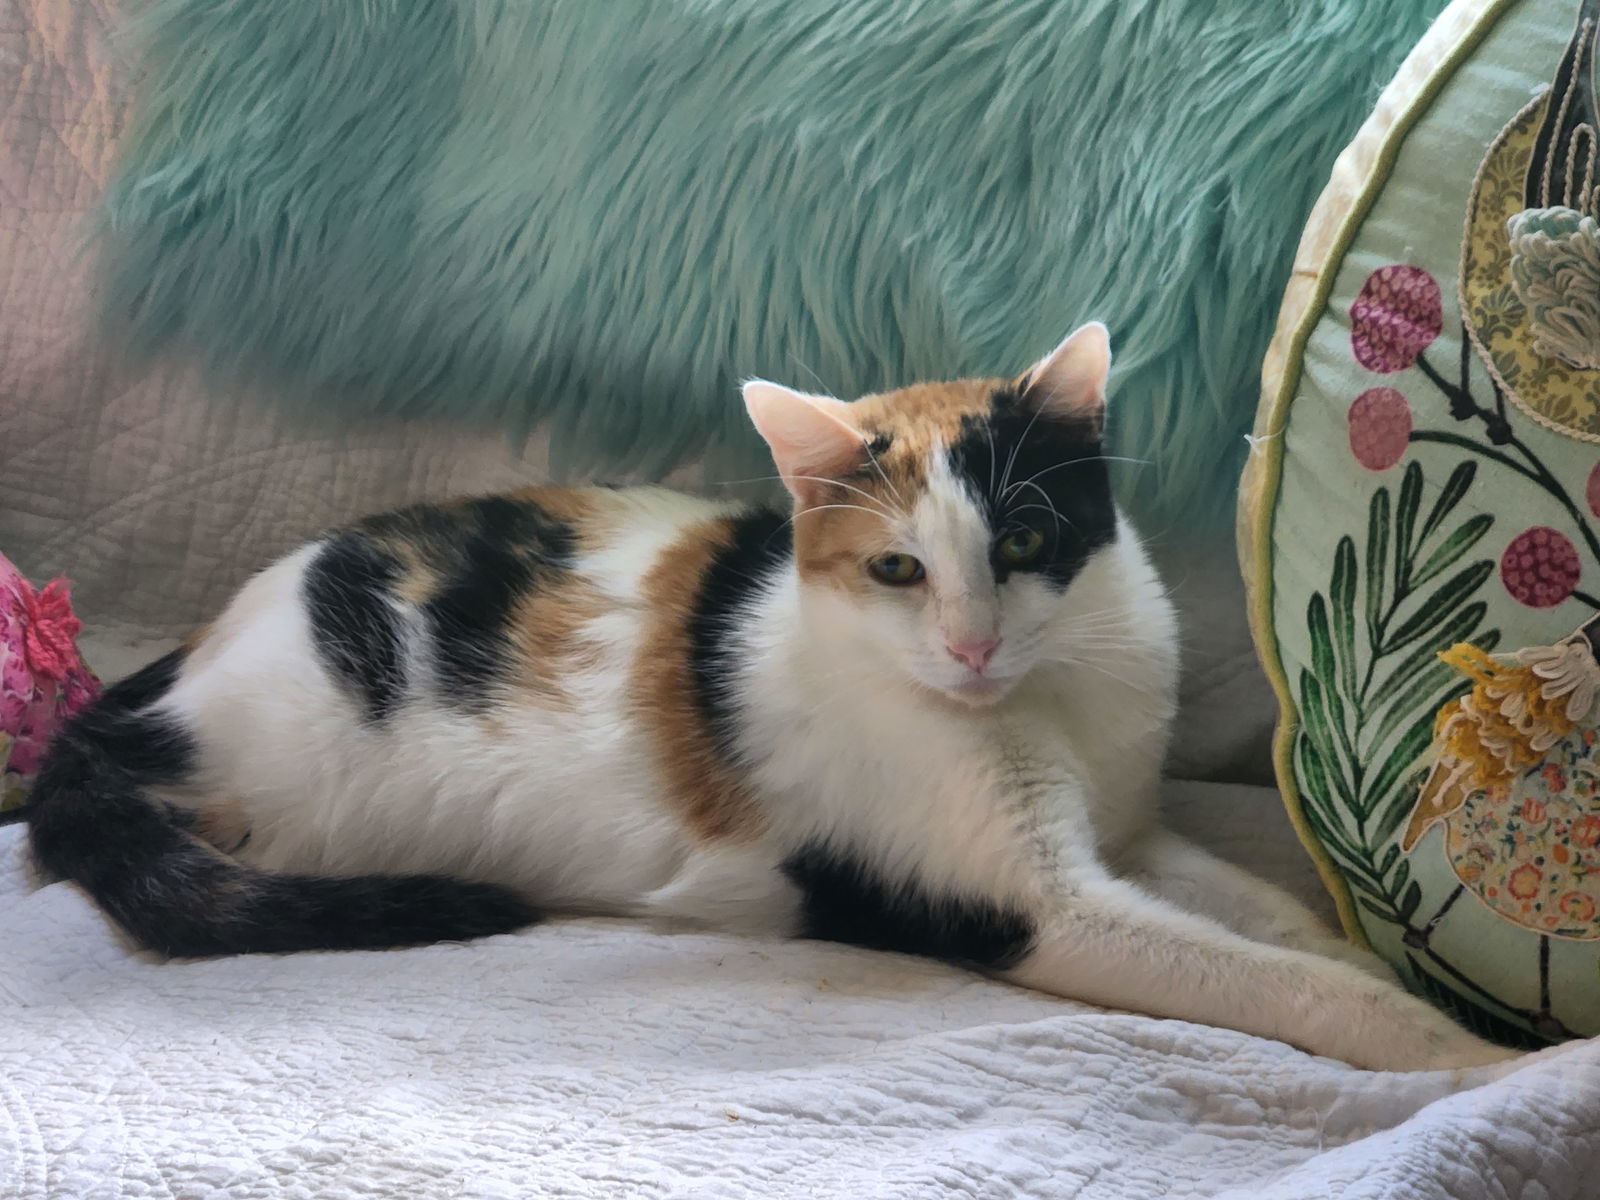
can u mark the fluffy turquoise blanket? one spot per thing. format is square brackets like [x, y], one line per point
[603, 213]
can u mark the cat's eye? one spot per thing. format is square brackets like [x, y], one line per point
[895, 569]
[1020, 546]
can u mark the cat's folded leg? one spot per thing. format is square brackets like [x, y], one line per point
[1110, 943]
[1195, 880]
[737, 889]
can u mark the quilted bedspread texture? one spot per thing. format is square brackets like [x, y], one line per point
[587, 1058]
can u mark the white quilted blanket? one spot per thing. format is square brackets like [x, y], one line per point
[586, 1058]
[597, 1059]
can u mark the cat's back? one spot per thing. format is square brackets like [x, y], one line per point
[465, 685]
[469, 603]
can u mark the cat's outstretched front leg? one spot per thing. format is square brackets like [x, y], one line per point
[1176, 870]
[1109, 942]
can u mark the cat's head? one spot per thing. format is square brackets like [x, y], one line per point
[953, 518]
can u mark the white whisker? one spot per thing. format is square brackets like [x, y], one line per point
[877, 466]
[850, 487]
[820, 479]
[1045, 496]
[1011, 461]
[802, 365]
[871, 512]
[1073, 462]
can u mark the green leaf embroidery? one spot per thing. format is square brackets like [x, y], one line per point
[1430, 681]
[1454, 489]
[1410, 899]
[1453, 547]
[1400, 760]
[1377, 561]
[1458, 628]
[1314, 720]
[1394, 813]
[1366, 703]
[1437, 607]
[1321, 640]
[1342, 594]
[1405, 519]
[1385, 913]
[1432, 685]
[1389, 856]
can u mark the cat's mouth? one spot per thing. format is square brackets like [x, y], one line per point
[978, 690]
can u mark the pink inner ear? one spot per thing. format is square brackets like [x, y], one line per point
[1070, 381]
[808, 435]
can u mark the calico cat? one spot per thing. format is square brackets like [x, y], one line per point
[924, 711]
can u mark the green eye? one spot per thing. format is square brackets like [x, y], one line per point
[1020, 546]
[895, 569]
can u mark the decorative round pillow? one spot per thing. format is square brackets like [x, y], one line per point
[42, 677]
[1420, 522]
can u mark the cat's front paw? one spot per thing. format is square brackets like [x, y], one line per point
[1466, 1051]
[1404, 1033]
[1435, 1050]
[1516, 1060]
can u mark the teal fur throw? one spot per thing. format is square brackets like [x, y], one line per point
[601, 214]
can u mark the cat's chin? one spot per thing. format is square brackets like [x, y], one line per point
[978, 691]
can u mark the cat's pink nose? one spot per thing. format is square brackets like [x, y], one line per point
[975, 654]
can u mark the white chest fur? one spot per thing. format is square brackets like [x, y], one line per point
[994, 801]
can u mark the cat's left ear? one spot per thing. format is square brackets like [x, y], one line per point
[1070, 381]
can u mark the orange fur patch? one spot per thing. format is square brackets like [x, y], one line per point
[834, 544]
[713, 800]
[200, 646]
[584, 509]
[547, 627]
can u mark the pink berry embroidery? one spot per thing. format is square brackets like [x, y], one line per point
[1591, 490]
[1540, 567]
[1380, 428]
[1398, 313]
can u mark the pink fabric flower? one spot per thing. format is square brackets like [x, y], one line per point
[42, 679]
[49, 630]
[1397, 315]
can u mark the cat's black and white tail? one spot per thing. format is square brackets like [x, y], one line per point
[95, 820]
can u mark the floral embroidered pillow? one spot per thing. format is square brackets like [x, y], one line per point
[1424, 508]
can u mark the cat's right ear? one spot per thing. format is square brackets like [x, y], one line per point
[811, 437]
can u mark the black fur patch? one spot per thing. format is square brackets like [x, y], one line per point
[1044, 474]
[349, 597]
[145, 686]
[844, 901]
[762, 540]
[148, 748]
[92, 820]
[489, 552]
